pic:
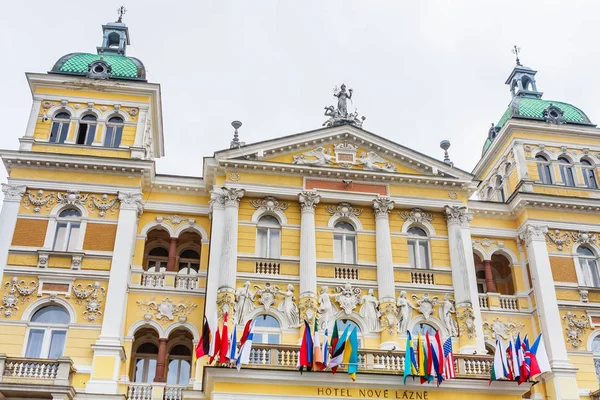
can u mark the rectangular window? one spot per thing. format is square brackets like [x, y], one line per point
[34, 344]
[257, 338]
[423, 255]
[57, 344]
[113, 136]
[350, 250]
[274, 244]
[273, 338]
[337, 248]
[73, 237]
[591, 273]
[411, 254]
[61, 234]
[261, 242]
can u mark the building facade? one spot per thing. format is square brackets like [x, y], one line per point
[108, 267]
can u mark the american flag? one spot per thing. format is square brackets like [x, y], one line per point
[449, 372]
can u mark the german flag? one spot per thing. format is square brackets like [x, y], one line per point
[203, 347]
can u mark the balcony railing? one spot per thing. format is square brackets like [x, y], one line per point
[139, 391]
[166, 280]
[36, 376]
[153, 279]
[348, 273]
[286, 357]
[483, 300]
[422, 278]
[268, 267]
[508, 302]
[149, 391]
[495, 301]
[186, 282]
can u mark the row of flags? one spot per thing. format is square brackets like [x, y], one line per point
[429, 357]
[516, 361]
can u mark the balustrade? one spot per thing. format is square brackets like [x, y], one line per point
[186, 282]
[139, 391]
[422, 278]
[347, 273]
[174, 392]
[153, 279]
[29, 368]
[508, 302]
[483, 300]
[268, 267]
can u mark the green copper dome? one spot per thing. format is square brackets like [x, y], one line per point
[121, 67]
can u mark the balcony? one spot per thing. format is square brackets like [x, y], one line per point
[165, 280]
[504, 302]
[422, 278]
[286, 357]
[150, 391]
[36, 378]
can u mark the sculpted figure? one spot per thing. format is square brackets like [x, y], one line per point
[244, 302]
[446, 310]
[326, 309]
[343, 96]
[370, 311]
[288, 307]
[403, 305]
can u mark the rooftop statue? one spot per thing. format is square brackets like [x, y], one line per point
[340, 115]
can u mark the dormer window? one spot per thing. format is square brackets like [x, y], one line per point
[87, 130]
[60, 127]
[99, 70]
[114, 132]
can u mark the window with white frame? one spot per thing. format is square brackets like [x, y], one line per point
[588, 263]
[596, 353]
[145, 363]
[179, 365]
[543, 167]
[47, 333]
[266, 330]
[499, 183]
[157, 260]
[418, 248]
[68, 226]
[589, 175]
[481, 288]
[566, 171]
[344, 323]
[189, 262]
[87, 130]
[423, 329]
[114, 132]
[60, 127]
[268, 237]
[344, 243]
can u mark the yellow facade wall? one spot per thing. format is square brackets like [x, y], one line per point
[100, 237]
[30, 232]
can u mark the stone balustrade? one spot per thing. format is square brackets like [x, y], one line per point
[36, 376]
[268, 267]
[422, 278]
[165, 280]
[483, 300]
[346, 273]
[153, 279]
[508, 302]
[503, 302]
[153, 390]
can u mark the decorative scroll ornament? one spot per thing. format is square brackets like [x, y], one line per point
[576, 326]
[345, 154]
[347, 297]
[416, 215]
[308, 200]
[382, 206]
[344, 210]
[266, 295]
[559, 239]
[270, 204]
[583, 295]
[166, 310]
[485, 242]
[307, 307]
[457, 215]
[89, 296]
[72, 197]
[103, 205]
[425, 304]
[467, 325]
[388, 320]
[38, 200]
[176, 219]
[505, 329]
[583, 237]
[232, 197]
[225, 304]
[16, 289]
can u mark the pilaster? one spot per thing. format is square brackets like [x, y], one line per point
[231, 201]
[308, 255]
[8, 219]
[464, 280]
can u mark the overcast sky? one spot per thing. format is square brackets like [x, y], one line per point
[422, 71]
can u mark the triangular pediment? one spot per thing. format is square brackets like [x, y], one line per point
[343, 147]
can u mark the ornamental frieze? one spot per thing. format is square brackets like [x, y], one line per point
[176, 219]
[344, 210]
[88, 297]
[344, 155]
[16, 290]
[166, 310]
[103, 204]
[576, 327]
[560, 240]
[416, 215]
[505, 329]
[38, 200]
[269, 204]
[72, 197]
[467, 324]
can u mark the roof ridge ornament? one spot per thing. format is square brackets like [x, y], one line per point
[516, 51]
[340, 115]
[121, 11]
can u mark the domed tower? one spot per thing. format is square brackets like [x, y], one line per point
[527, 103]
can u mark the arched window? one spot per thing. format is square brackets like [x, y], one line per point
[423, 328]
[67, 230]
[596, 353]
[543, 167]
[145, 362]
[268, 237]
[47, 333]
[179, 365]
[189, 262]
[266, 330]
[157, 260]
[589, 176]
[344, 243]
[589, 266]
[499, 183]
[114, 132]
[60, 127]
[418, 248]
[566, 171]
[343, 323]
[87, 130]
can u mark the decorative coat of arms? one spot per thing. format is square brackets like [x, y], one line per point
[347, 297]
[425, 304]
[166, 310]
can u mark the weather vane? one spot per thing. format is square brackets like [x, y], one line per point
[121, 11]
[516, 51]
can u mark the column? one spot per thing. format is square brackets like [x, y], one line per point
[161, 360]
[228, 261]
[142, 133]
[172, 255]
[562, 382]
[8, 220]
[385, 273]
[26, 141]
[490, 285]
[464, 281]
[308, 256]
[108, 350]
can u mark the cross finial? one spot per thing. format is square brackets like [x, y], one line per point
[121, 11]
[516, 51]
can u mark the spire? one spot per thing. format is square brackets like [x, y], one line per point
[235, 142]
[115, 36]
[522, 79]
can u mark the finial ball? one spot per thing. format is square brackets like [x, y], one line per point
[445, 144]
[236, 124]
